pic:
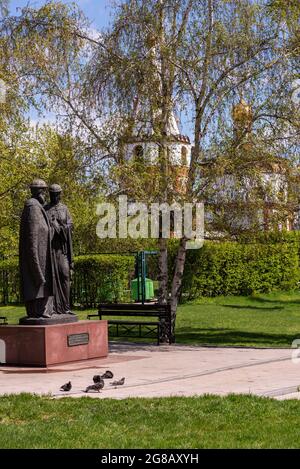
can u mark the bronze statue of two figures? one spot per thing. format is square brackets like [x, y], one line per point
[46, 257]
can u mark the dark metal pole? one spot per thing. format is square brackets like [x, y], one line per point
[138, 275]
[143, 276]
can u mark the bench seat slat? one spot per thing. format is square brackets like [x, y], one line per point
[100, 315]
[130, 313]
[134, 322]
[162, 313]
[133, 306]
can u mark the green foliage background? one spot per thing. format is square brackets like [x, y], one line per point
[218, 268]
[97, 278]
[229, 268]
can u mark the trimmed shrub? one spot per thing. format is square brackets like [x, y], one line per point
[9, 281]
[218, 268]
[229, 268]
[102, 278]
[97, 278]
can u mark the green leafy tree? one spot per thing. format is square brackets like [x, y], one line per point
[201, 56]
[197, 56]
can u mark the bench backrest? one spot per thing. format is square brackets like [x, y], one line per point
[134, 310]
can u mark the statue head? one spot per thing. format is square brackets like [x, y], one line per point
[55, 193]
[38, 189]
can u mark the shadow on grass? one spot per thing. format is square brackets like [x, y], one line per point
[231, 337]
[269, 301]
[210, 336]
[266, 308]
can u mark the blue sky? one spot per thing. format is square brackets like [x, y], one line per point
[98, 11]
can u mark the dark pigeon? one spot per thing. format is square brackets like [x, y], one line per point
[97, 379]
[66, 387]
[95, 387]
[107, 375]
[118, 383]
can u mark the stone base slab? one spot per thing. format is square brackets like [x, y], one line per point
[55, 319]
[53, 344]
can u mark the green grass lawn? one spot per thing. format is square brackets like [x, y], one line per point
[236, 421]
[271, 320]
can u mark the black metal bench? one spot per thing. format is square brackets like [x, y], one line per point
[161, 328]
[3, 319]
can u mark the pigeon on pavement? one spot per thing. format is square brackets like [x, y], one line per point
[66, 387]
[97, 379]
[95, 387]
[118, 383]
[107, 375]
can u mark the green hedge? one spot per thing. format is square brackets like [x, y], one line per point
[9, 281]
[102, 278]
[228, 268]
[97, 278]
[219, 268]
[272, 237]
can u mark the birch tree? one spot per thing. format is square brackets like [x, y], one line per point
[199, 57]
[210, 54]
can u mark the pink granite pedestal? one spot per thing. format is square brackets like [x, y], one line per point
[53, 344]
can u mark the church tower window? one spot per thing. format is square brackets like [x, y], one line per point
[138, 153]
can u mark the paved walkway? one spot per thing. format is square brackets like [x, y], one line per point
[152, 371]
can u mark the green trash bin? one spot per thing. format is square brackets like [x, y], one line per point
[136, 295]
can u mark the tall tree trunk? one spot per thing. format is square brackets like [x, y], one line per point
[163, 271]
[181, 253]
[164, 106]
[177, 282]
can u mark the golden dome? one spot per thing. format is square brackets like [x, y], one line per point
[242, 112]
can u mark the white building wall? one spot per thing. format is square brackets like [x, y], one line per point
[151, 152]
[175, 153]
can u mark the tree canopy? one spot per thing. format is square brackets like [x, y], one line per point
[199, 58]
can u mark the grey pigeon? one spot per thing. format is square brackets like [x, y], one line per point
[97, 379]
[118, 383]
[66, 387]
[107, 375]
[95, 387]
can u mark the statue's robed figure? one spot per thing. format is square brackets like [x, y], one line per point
[61, 247]
[35, 255]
